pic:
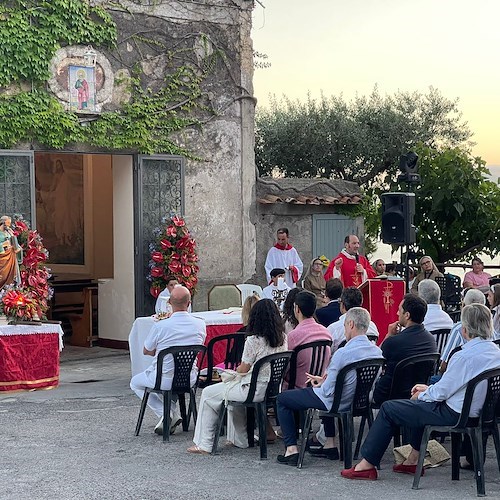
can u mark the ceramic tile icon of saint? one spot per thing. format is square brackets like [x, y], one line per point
[82, 89]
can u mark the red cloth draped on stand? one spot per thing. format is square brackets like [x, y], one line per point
[29, 362]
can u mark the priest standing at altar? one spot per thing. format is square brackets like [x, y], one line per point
[283, 255]
[350, 267]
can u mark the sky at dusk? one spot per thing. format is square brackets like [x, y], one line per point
[348, 47]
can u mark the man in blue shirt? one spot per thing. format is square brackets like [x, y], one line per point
[438, 404]
[321, 394]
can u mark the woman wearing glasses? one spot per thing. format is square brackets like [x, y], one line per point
[429, 271]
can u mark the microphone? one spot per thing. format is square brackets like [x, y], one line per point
[357, 258]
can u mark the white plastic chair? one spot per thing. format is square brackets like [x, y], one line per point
[248, 289]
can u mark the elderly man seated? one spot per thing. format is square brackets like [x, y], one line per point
[438, 404]
[350, 297]
[456, 338]
[435, 318]
[321, 394]
[180, 329]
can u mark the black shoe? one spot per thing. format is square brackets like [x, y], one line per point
[312, 444]
[330, 453]
[290, 460]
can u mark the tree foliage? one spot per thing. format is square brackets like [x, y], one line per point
[457, 206]
[358, 140]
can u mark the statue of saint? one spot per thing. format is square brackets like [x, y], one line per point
[10, 252]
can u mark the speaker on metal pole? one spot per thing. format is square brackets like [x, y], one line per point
[398, 211]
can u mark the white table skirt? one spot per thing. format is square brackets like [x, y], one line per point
[142, 326]
[33, 330]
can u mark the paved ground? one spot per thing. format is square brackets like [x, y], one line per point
[77, 442]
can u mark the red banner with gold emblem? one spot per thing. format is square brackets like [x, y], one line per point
[382, 298]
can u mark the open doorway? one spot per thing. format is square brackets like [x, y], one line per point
[79, 201]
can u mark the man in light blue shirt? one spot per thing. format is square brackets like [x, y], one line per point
[438, 404]
[321, 394]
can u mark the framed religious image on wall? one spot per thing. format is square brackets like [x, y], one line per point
[63, 209]
[82, 89]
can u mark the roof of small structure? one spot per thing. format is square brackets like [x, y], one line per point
[316, 191]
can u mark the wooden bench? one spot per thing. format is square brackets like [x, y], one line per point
[75, 305]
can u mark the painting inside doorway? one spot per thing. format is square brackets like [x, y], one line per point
[59, 182]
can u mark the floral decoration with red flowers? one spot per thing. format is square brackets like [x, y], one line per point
[30, 299]
[173, 253]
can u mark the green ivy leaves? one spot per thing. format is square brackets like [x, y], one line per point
[32, 31]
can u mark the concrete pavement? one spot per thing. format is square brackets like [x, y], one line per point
[77, 442]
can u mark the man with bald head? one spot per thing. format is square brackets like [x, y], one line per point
[181, 328]
[350, 267]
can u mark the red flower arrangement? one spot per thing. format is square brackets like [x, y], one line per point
[173, 254]
[28, 300]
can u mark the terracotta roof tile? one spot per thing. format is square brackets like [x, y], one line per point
[307, 191]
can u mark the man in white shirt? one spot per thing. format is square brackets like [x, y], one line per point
[438, 404]
[351, 297]
[435, 318]
[162, 301]
[278, 289]
[180, 329]
[284, 256]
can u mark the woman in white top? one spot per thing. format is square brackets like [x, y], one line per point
[266, 336]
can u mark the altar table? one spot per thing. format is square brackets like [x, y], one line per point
[29, 356]
[218, 323]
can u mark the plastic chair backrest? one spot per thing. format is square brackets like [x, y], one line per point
[441, 337]
[411, 371]
[223, 296]
[488, 412]
[184, 357]
[278, 361]
[234, 344]
[247, 289]
[319, 359]
[366, 374]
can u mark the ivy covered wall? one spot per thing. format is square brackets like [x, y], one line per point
[179, 70]
[182, 85]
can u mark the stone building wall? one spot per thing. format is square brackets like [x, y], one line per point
[220, 187]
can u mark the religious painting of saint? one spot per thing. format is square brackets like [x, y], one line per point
[59, 181]
[82, 89]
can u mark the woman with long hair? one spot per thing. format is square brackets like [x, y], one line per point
[250, 301]
[288, 315]
[429, 271]
[267, 336]
[314, 281]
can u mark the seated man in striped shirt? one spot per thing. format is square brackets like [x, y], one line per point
[472, 296]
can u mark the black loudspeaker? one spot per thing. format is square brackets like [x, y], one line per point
[398, 210]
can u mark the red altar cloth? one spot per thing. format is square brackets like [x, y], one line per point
[382, 298]
[220, 347]
[29, 362]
